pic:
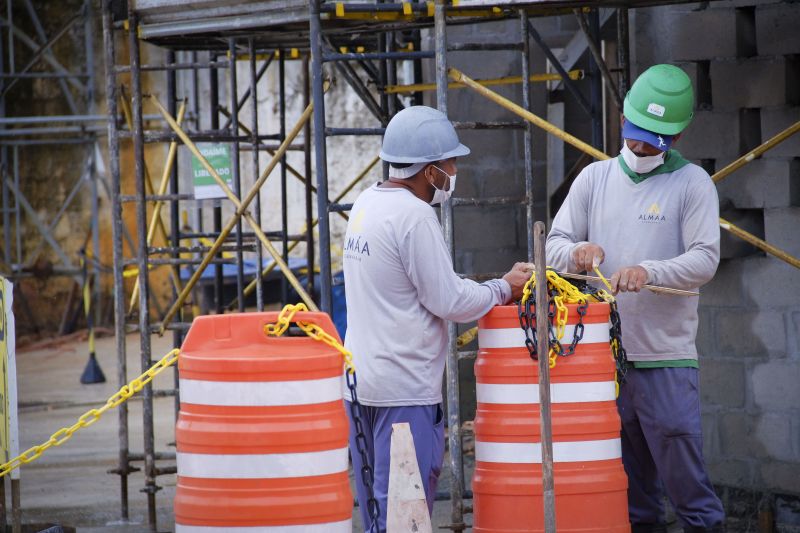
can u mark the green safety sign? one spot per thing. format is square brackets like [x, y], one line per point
[219, 156]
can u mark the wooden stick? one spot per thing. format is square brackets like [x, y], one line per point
[543, 348]
[654, 288]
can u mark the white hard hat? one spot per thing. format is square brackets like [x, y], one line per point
[420, 134]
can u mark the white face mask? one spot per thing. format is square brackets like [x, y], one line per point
[640, 164]
[440, 196]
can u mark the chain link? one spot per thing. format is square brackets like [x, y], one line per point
[285, 318]
[92, 415]
[562, 292]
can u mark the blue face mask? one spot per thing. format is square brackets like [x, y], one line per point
[440, 196]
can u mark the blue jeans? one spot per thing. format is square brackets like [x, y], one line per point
[427, 429]
[662, 447]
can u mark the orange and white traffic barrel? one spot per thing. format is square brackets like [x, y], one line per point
[262, 432]
[590, 482]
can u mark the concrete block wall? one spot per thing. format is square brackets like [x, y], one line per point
[746, 70]
[743, 59]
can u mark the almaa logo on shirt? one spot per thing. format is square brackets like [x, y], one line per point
[652, 215]
[355, 247]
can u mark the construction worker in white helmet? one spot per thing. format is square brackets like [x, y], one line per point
[650, 216]
[401, 289]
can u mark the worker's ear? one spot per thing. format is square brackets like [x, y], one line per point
[621, 120]
[676, 137]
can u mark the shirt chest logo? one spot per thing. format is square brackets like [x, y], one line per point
[653, 215]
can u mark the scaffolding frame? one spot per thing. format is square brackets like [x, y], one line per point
[357, 40]
[81, 126]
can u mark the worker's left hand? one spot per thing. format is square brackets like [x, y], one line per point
[628, 279]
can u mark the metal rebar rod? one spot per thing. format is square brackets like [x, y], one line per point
[116, 233]
[755, 152]
[598, 58]
[241, 211]
[543, 349]
[507, 80]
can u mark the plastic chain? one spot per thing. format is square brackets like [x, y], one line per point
[91, 416]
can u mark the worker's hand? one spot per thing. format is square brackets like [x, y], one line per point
[628, 279]
[517, 277]
[587, 256]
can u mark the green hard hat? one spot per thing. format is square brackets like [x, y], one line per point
[661, 100]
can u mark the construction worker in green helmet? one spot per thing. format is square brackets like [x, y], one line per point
[651, 216]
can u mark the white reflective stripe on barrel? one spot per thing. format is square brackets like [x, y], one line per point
[515, 337]
[563, 452]
[260, 393]
[528, 393]
[345, 526]
[266, 466]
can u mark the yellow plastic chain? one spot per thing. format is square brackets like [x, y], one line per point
[567, 294]
[286, 317]
[92, 415]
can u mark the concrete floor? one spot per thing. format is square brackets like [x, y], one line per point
[69, 485]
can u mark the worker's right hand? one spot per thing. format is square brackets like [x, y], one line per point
[517, 277]
[587, 256]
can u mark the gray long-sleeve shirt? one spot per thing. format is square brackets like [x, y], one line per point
[401, 288]
[668, 224]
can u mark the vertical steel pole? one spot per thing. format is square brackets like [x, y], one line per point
[251, 45]
[453, 396]
[144, 281]
[383, 70]
[233, 98]
[623, 51]
[284, 200]
[321, 158]
[4, 190]
[595, 84]
[548, 487]
[219, 280]
[308, 191]
[117, 235]
[17, 210]
[174, 219]
[528, 135]
[90, 107]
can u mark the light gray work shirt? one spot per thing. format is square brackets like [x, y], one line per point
[668, 224]
[401, 289]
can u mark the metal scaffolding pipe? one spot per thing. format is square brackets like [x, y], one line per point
[241, 211]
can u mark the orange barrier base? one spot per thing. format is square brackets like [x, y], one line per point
[508, 498]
